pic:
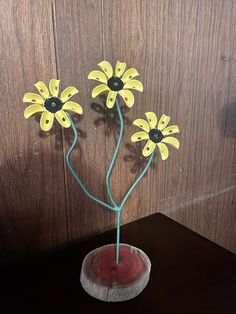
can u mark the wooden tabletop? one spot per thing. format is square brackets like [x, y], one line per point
[189, 275]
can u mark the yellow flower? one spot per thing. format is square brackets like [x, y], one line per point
[118, 83]
[156, 134]
[51, 105]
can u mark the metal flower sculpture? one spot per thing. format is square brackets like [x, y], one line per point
[157, 134]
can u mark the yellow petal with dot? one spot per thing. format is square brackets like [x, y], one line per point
[73, 106]
[46, 120]
[172, 129]
[129, 74]
[128, 97]
[111, 99]
[148, 148]
[120, 68]
[139, 136]
[163, 151]
[142, 124]
[134, 84]
[152, 119]
[33, 98]
[68, 93]
[99, 89]
[42, 88]
[33, 109]
[97, 76]
[106, 67]
[163, 122]
[54, 87]
[172, 141]
[62, 118]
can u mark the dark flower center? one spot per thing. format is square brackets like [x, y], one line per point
[115, 83]
[53, 104]
[155, 135]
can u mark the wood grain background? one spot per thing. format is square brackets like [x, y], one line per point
[185, 52]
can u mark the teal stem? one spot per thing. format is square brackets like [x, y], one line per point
[115, 153]
[137, 180]
[77, 178]
[124, 201]
[118, 237]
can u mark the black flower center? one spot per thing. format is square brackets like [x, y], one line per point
[115, 83]
[53, 104]
[155, 135]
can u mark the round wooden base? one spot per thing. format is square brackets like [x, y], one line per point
[105, 280]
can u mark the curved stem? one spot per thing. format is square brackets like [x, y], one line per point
[137, 181]
[77, 178]
[115, 153]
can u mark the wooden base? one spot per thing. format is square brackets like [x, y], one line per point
[105, 280]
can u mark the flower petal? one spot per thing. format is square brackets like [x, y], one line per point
[120, 68]
[99, 89]
[73, 106]
[163, 122]
[129, 74]
[33, 109]
[139, 136]
[62, 118]
[31, 97]
[148, 148]
[106, 67]
[97, 76]
[127, 96]
[172, 141]
[68, 93]
[46, 120]
[142, 124]
[111, 99]
[134, 84]
[152, 119]
[54, 87]
[171, 130]
[163, 151]
[42, 88]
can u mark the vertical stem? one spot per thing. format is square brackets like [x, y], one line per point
[118, 236]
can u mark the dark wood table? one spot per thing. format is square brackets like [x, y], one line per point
[189, 275]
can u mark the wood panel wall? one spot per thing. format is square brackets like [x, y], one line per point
[185, 52]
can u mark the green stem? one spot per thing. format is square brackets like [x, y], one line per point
[77, 178]
[115, 153]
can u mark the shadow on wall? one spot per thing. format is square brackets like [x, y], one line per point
[20, 212]
[228, 124]
[110, 118]
[68, 136]
[136, 158]
[33, 217]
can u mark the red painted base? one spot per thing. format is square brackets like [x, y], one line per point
[102, 278]
[130, 267]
